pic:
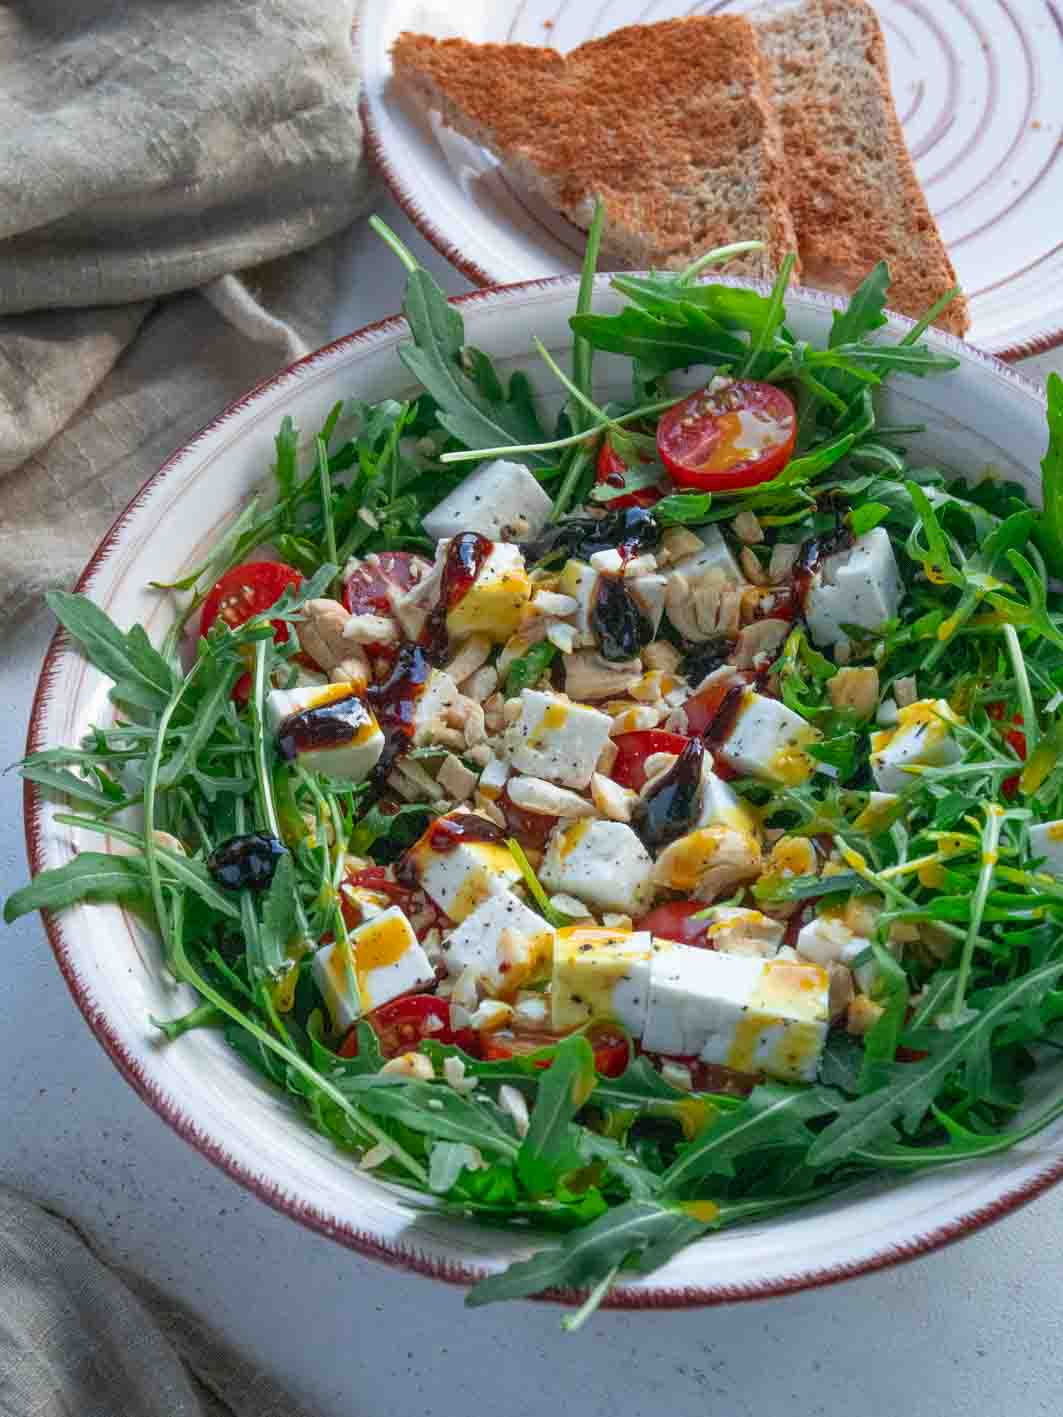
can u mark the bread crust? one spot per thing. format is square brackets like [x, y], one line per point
[669, 123]
[852, 187]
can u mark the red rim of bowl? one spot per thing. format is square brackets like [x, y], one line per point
[446, 248]
[364, 1242]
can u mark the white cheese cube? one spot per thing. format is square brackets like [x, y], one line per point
[600, 974]
[923, 738]
[459, 876]
[381, 960]
[749, 1014]
[715, 555]
[861, 586]
[1046, 840]
[768, 741]
[601, 863]
[740, 931]
[555, 739]
[504, 962]
[493, 501]
[495, 603]
[328, 730]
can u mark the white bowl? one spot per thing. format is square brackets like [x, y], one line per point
[982, 414]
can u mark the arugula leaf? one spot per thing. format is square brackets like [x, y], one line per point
[909, 1089]
[661, 345]
[683, 508]
[772, 1115]
[279, 916]
[434, 358]
[447, 1162]
[440, 1112]
[593, 1253]
[92, 875]
[78, 788]
[1048, 533]
[565, 1087]
[866, 311]
[142, 678]
[870, 515]
[880, 1042]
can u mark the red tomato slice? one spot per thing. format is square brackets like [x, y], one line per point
[405, 1022]
[246, 591]
[704, 441]
[673, 922]
[610, 470]
[611, 1050]
[632, 750]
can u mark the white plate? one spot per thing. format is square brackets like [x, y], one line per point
[977, 86]
[983, 414]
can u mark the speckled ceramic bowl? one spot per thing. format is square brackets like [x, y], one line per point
[982, 414]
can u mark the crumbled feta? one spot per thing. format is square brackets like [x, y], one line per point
[768, 740]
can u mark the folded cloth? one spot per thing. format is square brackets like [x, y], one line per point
[78, 1339]
[172, 176]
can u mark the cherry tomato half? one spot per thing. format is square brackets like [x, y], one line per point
[632, 750]
[610, 470]
[673, 921]
[1015, 739]
[718, 441]
[405, 1022]
[246, 591]
[611, 1050]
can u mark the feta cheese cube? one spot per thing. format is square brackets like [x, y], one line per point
[458, 877]
[860, 586]
[495, 603]
[1046, 840]
[493, 778]
[715, 555]
[381, 960]
[504, 962]
[923, 737]
[493, 501]
[599, 862]
[750, 1014]
[328, 730]
[555, 739]
[740, 931]
[768, 741]
[603, 974]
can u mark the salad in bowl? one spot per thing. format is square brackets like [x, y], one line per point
[619, 830]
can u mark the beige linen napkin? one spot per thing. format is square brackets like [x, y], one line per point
[79, 1340]
[171, 175]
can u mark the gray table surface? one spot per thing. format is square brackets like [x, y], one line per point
[976, 1326]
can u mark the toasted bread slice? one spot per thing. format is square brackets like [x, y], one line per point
[669, 123]
[852, 187]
